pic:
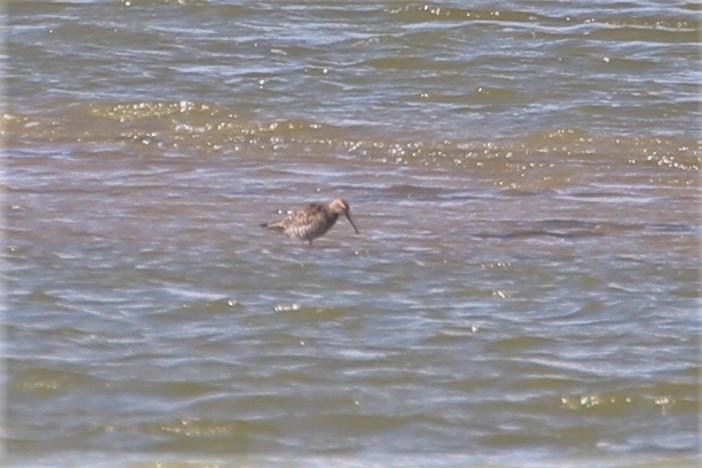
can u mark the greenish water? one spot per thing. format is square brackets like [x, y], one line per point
[524, 288]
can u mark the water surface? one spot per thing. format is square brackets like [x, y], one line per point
[525, 287]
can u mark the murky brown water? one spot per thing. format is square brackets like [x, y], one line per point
[525, 286]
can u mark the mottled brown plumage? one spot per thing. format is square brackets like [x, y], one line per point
[312, 221]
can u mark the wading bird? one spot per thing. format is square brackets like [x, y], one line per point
[312, 221]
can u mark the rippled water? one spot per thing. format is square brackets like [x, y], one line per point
[524, 288]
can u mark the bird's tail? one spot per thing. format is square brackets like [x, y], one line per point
[276, 226]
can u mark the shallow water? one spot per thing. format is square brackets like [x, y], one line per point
[525, 287]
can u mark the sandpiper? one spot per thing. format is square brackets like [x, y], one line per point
[312, 221]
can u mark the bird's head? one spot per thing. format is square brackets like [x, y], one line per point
[340, 206]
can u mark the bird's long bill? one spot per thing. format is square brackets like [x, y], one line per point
[348, 216]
